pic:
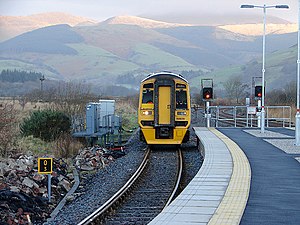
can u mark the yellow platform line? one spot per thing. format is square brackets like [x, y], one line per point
[233, 204]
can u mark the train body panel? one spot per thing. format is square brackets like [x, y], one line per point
[164, 109]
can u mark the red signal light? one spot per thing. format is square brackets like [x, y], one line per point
[258, 91]
[207, 93]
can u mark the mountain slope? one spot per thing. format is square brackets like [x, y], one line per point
[257, 29]
[11, 26]
[120, 39]
[212, 18]
[103, 52]
[220, 47]
[44, 40]
[142, 22]
[281, 68]
[93, 53]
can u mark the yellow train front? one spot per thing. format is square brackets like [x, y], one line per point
[164, 109]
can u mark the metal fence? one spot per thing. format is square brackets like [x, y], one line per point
[242, 116]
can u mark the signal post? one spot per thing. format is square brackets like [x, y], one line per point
[45, 166]
[258, 92]
[207, 96]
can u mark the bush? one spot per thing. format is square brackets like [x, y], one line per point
[8, 128]
[47, 125]
[66, 146]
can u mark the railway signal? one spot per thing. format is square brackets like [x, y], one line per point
[258, 91]
[207, 96]
[207, 93]
[207, 89]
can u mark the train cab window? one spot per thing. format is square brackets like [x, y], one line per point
[147, 96]
[181, 99]
[150, 85]
[180, 86]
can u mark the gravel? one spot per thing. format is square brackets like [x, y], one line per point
[267, 134]
[151, 192]
[284, 142]
[98, 188]
[286, 145]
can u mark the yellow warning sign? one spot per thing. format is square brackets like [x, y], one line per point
[45, 165]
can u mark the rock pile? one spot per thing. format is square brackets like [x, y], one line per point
[91, 159]
[23, 192]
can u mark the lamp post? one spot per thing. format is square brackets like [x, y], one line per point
[297, 117]
[264, 7]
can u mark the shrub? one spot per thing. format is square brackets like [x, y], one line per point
[8, 128]
[47, 125]
[66, 146]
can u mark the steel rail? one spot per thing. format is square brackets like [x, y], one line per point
[179, 175]
[108, 204]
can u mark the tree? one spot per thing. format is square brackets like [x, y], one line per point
[47, 125]
[235, 89]
[70, 97]
[284, 96]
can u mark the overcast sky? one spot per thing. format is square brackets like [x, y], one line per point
[103, 9]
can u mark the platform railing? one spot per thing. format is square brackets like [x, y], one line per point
[239, 116]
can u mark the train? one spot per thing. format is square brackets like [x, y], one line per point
[164, 111]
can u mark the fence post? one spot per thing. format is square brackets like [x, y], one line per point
[234, 116]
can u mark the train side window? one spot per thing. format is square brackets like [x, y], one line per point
[181, 99]
[147, 96]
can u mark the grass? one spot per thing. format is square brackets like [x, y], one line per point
[219, 76]
[150, 56]
[129, 115]
[35, 146]
[93, 61]
[277, 58]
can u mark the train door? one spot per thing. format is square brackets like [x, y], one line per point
[164, 109]
[164, 105]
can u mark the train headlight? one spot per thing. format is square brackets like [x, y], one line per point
[181, 113]
[147, 113]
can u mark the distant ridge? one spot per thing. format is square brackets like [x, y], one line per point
[214, 19]
[142, 22]
[257, 29]
[11, 26]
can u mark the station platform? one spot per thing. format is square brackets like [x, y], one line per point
[246, 178]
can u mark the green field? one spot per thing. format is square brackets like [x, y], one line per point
[149, 56]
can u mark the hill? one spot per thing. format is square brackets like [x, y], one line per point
[11, 26]
[142, 22]
[257, 29]
[214, 18]
[281, 68]
[106, 52]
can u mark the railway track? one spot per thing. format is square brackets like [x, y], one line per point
[146, 193]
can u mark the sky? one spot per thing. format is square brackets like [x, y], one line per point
[103, 9]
